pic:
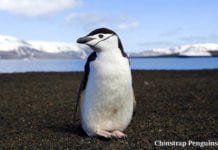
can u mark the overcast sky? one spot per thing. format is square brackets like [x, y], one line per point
[141, 24]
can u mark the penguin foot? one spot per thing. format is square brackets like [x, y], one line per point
[104, 133]
[118, 134]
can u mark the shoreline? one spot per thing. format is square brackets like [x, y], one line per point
[132, 70]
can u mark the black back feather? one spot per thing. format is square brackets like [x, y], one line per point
[91, 57]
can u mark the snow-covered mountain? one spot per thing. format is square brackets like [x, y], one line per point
[208, 49]
[14, 48]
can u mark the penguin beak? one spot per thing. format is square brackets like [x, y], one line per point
[84, 40]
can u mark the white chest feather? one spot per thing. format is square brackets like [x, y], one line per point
[108, 101]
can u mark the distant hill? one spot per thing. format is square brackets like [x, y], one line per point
[14, 48]
[193, 50]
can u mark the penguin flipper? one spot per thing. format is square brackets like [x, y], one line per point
[134, 104]
[75, 115]
[83, 84]
[78, 105]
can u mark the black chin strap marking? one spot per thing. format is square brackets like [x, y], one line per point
[103, 40]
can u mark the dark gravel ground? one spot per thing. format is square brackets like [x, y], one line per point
[36, 110]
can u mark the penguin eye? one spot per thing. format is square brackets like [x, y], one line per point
[100, 35]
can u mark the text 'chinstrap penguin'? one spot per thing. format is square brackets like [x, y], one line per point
[106, 94]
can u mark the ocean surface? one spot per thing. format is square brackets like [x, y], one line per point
[72, 65]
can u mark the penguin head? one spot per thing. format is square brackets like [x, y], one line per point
[102, 39]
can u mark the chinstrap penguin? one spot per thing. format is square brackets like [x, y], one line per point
[106, 94]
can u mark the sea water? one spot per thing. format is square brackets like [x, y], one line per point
[72, 65]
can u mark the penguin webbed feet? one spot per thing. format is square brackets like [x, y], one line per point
[113, 134]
